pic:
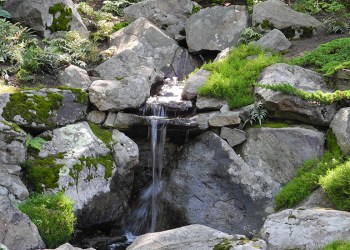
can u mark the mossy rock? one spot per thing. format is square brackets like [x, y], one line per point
[61, 17]
[38, 110]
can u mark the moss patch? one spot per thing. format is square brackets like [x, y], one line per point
[32, 107]
[43, 173]
[104, 135]
[271, 125]
[337, 245]
[61, 17]
[224, 245]
[13, 126]
[80, 95]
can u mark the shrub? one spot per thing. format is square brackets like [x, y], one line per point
[329, 57]
[336, 183]
[249, 35]
[233, 77]
[53, 215]
[337, 245]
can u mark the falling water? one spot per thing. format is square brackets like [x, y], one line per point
[143, 219]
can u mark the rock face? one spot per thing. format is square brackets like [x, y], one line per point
[273, 14]
[36, 14]
[75, 77]
[216, 28]
[340, 127]
[224, 119]
[317, 198]
[209, 103]
[12, 154]
[305, 229]
[17, 231]
[277, 152]
[167, 14]
[274, 40]
[290, 107]
[193, 237]
[153, 48]
[233, 136]
[43, 109]
[68, 246]
[193, 83]
[94, 177]
[213, 186]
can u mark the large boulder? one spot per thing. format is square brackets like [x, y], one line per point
[305, 228]
[44, 109]
[340, 127]
[68, 246]
[291, 107]
[46, 17]
[216, 28]
[166, 14]
[275, 40]
[95, 175]
[210, 184]
[275, 14]
[75, 77]
[12, 154]
[17, 230]
[153, 48]
[193, 83]
[194, 237]
[277, 152]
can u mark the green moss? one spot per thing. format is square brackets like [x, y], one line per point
[307, 32]
[332, 144]
[119, 26]
[43, 173]
[224, 245]
[271, 125]
[266, 25]
[32, 107]
[337, 245]
[61, 22]
[13, 126]
[233, 77]
[80, 95]
[92, 162]
[195, 9]
[104, 135]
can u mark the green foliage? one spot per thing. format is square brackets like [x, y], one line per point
[315, 6]
[195, 9]
[271, 125]
[119, 26]
[257, 113]
[306, 180]
[329, 57]
[336, 183]
[32, 108]
[217, 2]
[249, 35]
[104, 135]
[35, 142]
[337, 245]
[224, 245]
[115, 7]
[337, 25]
[61, 22]
[4, 13]
[53, 215]
[43, 173]
[233, 77]
[318, 96]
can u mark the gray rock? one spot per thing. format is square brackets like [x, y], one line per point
[210, 184]
[216, 28]
[274, 40]
[101, 188]
[193, 83]
[193, 237]
[277, 152]
[343, 74]
[75, 77]
[68, 246]
[273, 14]
[4, 99]
[12, 154]
[166, 14]
[209, 103]
[45, 108]
[340, 127]
[291, 107]
[224, 119]
[224, 53]
[317, 198]
[202, 120]
[35, 14]
[17, 231]
[113, 95]
[97, 117]
[305, 228]
[153, 48]
[234, 136]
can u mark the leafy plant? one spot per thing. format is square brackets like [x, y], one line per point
[4, 13]
[315, 6]
[257, 113]
[224, 245]
[233, 77]
[35, 142]
[249, 35]
[53, 215]
[336, 25]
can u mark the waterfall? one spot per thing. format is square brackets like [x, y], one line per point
[143, 219]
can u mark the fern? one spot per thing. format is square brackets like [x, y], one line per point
[257, 113]
[34, 142]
